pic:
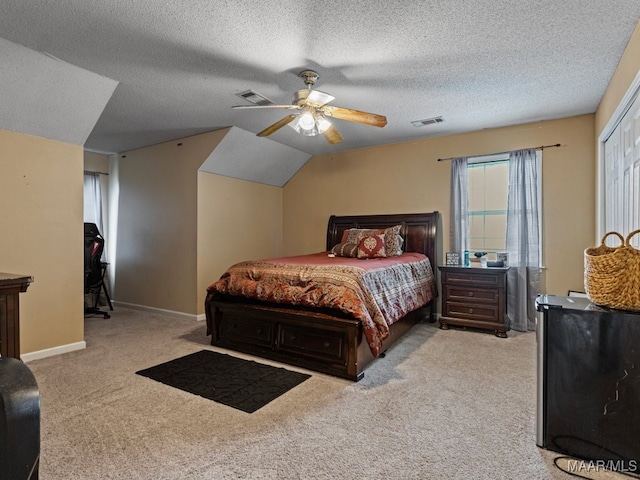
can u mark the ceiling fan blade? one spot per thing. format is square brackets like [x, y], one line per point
[318, 98]
[276, 126]
[355, 116]
[288, 107]
[332, 135]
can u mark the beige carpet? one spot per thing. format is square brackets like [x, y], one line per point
[442, 404]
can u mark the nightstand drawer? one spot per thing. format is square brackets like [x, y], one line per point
[475, 279]
[485, 313]
[462, 294]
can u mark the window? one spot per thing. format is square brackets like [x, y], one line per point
[488, 191]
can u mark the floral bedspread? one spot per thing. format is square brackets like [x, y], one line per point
[376, 291]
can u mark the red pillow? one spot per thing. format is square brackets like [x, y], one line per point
[372, 246]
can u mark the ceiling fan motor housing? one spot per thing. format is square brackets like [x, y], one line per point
[309, 76]
[300, 97]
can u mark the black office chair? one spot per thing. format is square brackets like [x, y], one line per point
[94, 270]
[19, 421]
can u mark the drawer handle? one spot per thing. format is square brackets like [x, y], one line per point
[471, 310]
[259, 331]
[471, 294]
[327, 344]
[292, 337]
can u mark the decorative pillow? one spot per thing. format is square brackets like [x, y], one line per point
[394, 241]
[354, 235]
[345, 250]
[372, 246]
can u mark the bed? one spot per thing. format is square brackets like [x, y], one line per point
[326, 337]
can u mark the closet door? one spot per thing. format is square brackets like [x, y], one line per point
[622, 175]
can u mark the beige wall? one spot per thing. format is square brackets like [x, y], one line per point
[157, 223]
[237, 220]
[407, 177]
[42, 235]
[96, 162]
[626, 71]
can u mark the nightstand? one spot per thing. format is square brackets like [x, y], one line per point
[474, 297]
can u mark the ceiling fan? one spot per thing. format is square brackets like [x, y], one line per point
[311, 117]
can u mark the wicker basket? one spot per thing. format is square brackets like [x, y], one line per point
[612, 274]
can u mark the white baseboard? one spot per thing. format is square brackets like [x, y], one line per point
[50, 352]
[186, 316]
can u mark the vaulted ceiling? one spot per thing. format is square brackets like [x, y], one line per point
[179, 65]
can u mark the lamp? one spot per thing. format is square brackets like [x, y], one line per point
[310, 123]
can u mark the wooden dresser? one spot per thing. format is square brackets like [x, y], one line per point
[10, 286]
[474, 297]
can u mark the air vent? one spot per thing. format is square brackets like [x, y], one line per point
[427, 121]
[254, 97]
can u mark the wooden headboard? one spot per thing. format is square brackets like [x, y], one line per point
[418, 230]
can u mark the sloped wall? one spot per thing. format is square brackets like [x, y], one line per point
[49, 98]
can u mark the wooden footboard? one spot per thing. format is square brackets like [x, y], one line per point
[331, 344]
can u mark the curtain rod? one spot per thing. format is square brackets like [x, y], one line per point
[94, 173]
[541, 147]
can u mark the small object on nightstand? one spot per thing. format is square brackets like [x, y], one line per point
[482, 257]
[453, 258]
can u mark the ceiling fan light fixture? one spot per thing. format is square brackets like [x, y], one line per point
[310, 124]
[303, 126]
[307, 122]
[322, 123]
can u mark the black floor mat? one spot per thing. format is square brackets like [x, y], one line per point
[242, 384]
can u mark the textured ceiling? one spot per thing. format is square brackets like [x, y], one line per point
[478, 64]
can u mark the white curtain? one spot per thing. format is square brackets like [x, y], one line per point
[524, 279]
[459, 220]
[93, 201]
